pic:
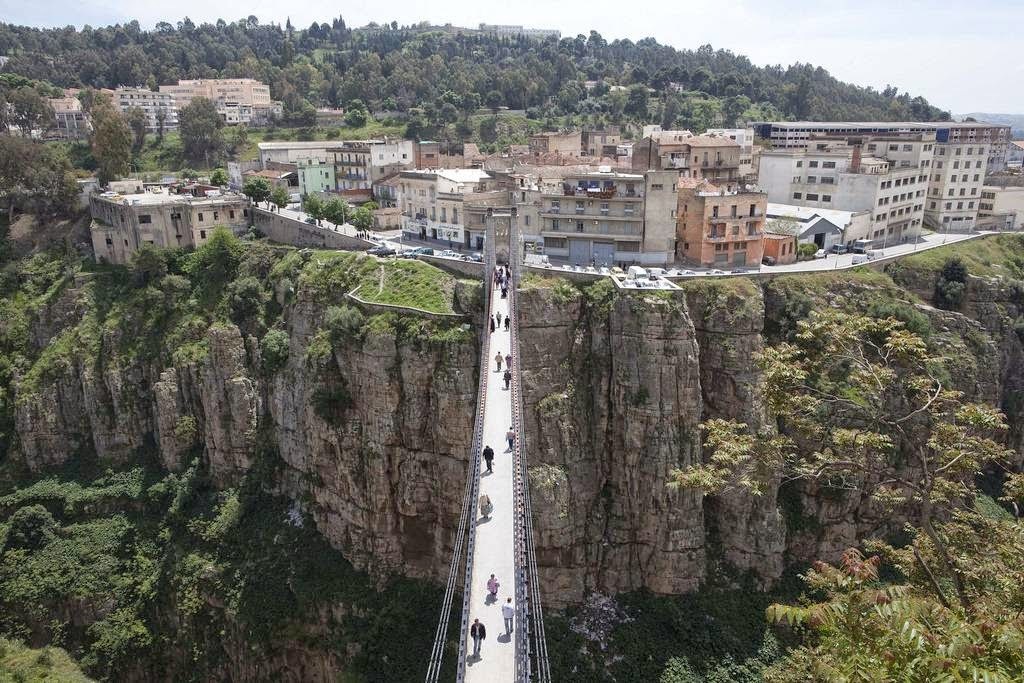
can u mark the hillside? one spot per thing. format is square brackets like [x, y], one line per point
[440, 77]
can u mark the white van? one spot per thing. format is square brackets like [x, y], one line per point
[637, 273]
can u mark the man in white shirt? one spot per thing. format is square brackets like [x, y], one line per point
[508, 612]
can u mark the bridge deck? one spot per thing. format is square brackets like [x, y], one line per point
[494, 549]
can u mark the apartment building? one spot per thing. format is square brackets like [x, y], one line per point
[316, 177]
[153, 105]
[708, 157]
[433, 203]
[604, 217]
[744, 137]
[238, 100]
[351, 165]
[886, 175]
[601, 143]
[566, 144]
[70, 120]
[720, 226]
[956, 179]
[123, 223]
[516, 30]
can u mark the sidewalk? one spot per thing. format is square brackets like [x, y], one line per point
[494, 552]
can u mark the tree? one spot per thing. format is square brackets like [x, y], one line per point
[148, 265]
[161, 122]
[356, 115]
[864, 408]
[257, 189]
[494, 99]
[362, 218]
[951, 284]
[111, 142]
[200, 126]
[29, 111]
[314, 207]
[219, 177]
[636, 102]
[279, 196]
[30, 528]
[136, 119]
[36, 178]
[238, 138]
[336, 210]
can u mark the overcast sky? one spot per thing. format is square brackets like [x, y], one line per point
[961, 56]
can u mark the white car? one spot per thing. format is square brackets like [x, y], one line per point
[859, 259]
[448, 253]
[821, 253]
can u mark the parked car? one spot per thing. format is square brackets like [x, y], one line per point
[872, 254]
[476, 258]
[839, 249]
[448, 253]
[381, 251]
[768, 260]
[310, 220]
[821, 253]
[688, 272]
[418, 251]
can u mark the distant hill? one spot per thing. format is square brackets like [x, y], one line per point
[1015, 121]
[439, 76]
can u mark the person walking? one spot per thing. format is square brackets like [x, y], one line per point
[508, 612]
[504, 291]
[508, 378]
[485, 506]
[499, 359]
[508, 321]
[510, 436]
[492, 325]
[478, 633]
[497, 318]
[508, 360]
[489, 457]
[493, 586]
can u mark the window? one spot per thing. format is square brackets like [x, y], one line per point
[799, 164]
[231, 214]
[202, 234]
[812, 197]
[826, 197]
[812, 179]
[657, 186]
[555, 242]
[145, 218]
[201, 218]
[828, 180]
[949, 205]
[216, 216]
[579, 226]
[813, 164]
[604, 208]
[526, 218]
[797, 195]
[455, 217]
[753, 210]
[894, 148]
[714, 212]
[828, 164]
[554, 224]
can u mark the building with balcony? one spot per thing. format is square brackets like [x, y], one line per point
[720, 226]
[123, 223]
[70, 120]
[707, 157]
[434, 203]
[886, 175]
[155, 105]
[602, 143]
[316, 177]
[744, 137]
[593, 217]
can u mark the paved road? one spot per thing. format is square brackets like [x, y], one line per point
[494, 551]
[834, 261]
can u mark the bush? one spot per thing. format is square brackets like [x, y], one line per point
[344, 323]
[951, 285]
[914, 320]
[247, 299]
[806, 251]
[30, 528]
[274, 350]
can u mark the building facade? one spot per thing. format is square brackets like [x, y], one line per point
[153, 104]
[601, 143]
[565, 144]
[122, 224]
[744, 137]
[70, 120]
[719, 227]
[1001, 207]
[707, 157]
[316, 177]
[888, 176]
[238, 100]
[433, 204]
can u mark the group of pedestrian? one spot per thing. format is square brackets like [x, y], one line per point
[497, 321]
[478, 632]
[502, 280]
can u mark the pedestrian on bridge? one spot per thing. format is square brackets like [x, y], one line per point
[504, 290]
[507, 378]
[508, 321]
[510, 436]
[499, 359]
[485, 506]
[492, 325]
[497, 318]
[478, 633]
[493, 586]
[508, 612]
[489, 457]
[508, 360]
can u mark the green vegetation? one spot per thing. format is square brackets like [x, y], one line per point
[49, 664]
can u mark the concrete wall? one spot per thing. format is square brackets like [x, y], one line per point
[458, 267]
[297, 233]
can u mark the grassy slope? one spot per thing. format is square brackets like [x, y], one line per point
[20, 663]
[990, 256]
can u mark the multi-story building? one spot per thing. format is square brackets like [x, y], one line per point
[516, 30]
[566, 144]
[153, 105]
[956, 179]
[744, 137]
[433, 203]
[719, 226]
[123, 223]
[316, 177]
[601, 143]
[71, 121]
[1015, 154]
[351, 165]
[887, 175]
[238, 100]
[709, 157]
[590, 216]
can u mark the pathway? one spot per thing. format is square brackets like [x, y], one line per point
[495, 540]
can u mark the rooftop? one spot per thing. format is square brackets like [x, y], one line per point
[888, 125]
[164, 197]
[804, 214]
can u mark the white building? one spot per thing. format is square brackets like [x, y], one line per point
[954, 193]
[822, 227]
[1001, 208]
[152, 104]
[432, 202]
[856, 174]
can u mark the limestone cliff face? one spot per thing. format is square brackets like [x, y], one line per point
[613, 402]
[382, 473]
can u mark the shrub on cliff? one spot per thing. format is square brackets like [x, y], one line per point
[951, 285]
